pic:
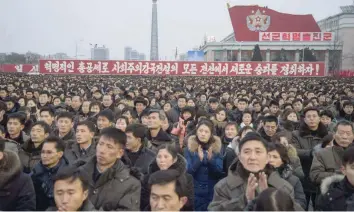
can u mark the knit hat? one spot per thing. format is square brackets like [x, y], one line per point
[107, 113]
[252, 136]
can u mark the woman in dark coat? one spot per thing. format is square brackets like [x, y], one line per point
[279, 159]
[167, 158]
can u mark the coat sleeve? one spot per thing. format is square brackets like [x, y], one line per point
[318, 170]
[216, 163]
[26, 199]
[223, 202]
[296, 164]
[302, 153]
[131, 200]
[299, 195]
[193, 162]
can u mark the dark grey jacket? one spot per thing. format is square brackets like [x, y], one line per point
[86, 206]
[73, 152]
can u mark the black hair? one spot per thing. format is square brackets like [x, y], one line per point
[348, 156]
[95, 103]
[44, 125]
[252, 136]
[327, 139]
[210, 125]
[344, 123]
[273, 199]
[138, 130]
[65, 114]
[59, 144]
[117, 135]
[312, 109]
[347, 103]
[171, 148]
[327, 113]
[182, 96]
[3, 106]
[243, 100]
[19, 116]
[273, 102]
[47, 109]
[268, 119]
[163, 177]
[140, 99]
[124, 118]
[44, 93]
[245, 128]
[72, 173]
[89, 124]
[297, 100]
[281, 149]
[213, 100]
[276, 137]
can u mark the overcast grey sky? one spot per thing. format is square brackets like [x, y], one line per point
[51, 26]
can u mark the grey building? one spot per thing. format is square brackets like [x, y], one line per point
[100, 53]
[132, 54]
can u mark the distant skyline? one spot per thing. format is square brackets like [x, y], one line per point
[48, 27]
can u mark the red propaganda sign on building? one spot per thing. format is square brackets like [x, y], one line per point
[19, 68]
[164, 68]
[296, 36]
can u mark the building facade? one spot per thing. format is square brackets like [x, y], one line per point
[100, 53]
[132, 54]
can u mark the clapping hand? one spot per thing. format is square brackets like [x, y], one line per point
[251, 187]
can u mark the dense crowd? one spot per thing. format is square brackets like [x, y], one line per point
[83, 143]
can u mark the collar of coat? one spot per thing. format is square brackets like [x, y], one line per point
[304, 130]
[86, 206]
[40, 169]
[161, 136]
[180, 165]
[10, 166]
[118, 171]
[328, 181]
[193, 144]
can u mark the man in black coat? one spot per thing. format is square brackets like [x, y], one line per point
[135, 151]
[16, 188]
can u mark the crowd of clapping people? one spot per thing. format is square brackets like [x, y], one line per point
[138, 143]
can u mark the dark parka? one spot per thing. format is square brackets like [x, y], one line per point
[161, 138]
[230, 192]
[304, 140]
[145, 158]
[115, 189]
[86, 206]
[16, 188]
[68, 137]
[29, 155]
[179, 165]
[337, 194]
[73, 152]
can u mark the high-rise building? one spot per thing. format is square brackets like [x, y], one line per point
[127, 52]
[100, 53]
[132, 54]
[142, 56]
[154, 48]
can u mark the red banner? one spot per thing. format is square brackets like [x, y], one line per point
[181, 68]
[19, 68]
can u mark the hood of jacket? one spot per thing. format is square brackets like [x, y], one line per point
[304, 130]
[328, 181]
[180, 165]
[193, 144]
[10, 166]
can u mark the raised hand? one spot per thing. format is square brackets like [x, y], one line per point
[251, 187]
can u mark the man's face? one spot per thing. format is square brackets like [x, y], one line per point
[46, 117]
[154, 121]
[165, 198]
[225, 96]
[274, 109]
[157, 94]
[344, 135]
[270, 128]
[3, 93]
[29, 95]
[257, 108]
[312, 119]
[69, 195]
[38, 134]
[14, 126]
[182, 102]
[348, 109]
[253, 156]
[133, 143]
[85, 107]
[322, 99]
[76, 102]
[68, 101]
[64, 125]
[107, 151]
[97, 95]
[83, 134]
[214, 105]
[107, 101]
[95, 109]
[298, 106]
[50, 155]
[43, 99]
[241, 106]
[9, 105]
[144, 92]
[140, 107]
[103, 122]
[326, 120]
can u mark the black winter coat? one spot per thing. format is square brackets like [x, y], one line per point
[86, 206]
[16, 188]
[29, 155]
[180, 165]
[144, 158]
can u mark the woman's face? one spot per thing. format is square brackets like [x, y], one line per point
[21, 102]
[164, 159]
[121, 124]
[186, 115]
[56, 102]
[221, 116]
[292, 117]
[247, 119]
[275, 159]
[153, 102]
[231, 131]
[31, 104]
[191, 103]
[95, 109]
[121, 106]
[203, 133]
[167, 107]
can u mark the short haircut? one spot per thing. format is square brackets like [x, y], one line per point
[347, 103]
[163, 177]
[47, 109]
[281, 149]
[297, 100]
[89, 124]
[44, 93]
[243, 100]
[273, 199]
[327, 113]
[182, 97]
[312, 109]
[65, 114]
[348, 156]
[59, 144]
[141, 100]
[268, 119]
[344, 123]
[115, 134]
[273, 102]
[18, 116]
[138, 130]
[72, 173]
[162, 115]
[124, 118]
[44, 125]
[252, 136]
[213, 100]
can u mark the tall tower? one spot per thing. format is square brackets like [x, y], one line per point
[154, 48]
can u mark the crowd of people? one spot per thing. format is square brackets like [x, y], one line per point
[84, 143]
